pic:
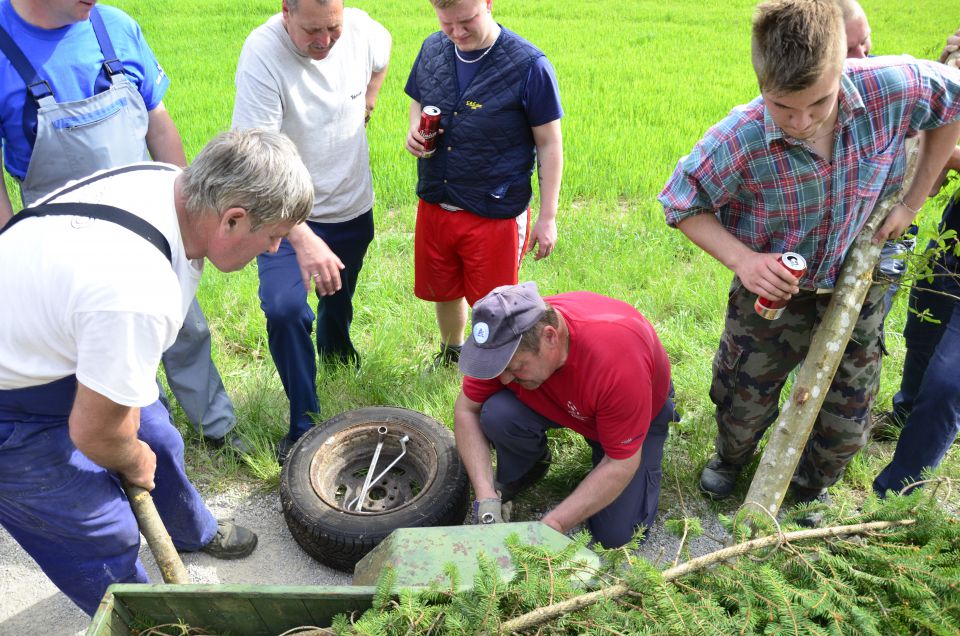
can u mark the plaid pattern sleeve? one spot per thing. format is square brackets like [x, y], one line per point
[775, 195]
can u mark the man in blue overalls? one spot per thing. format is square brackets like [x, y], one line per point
[80, 91]
[82, 338]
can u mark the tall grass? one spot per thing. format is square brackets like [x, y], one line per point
[640, 80]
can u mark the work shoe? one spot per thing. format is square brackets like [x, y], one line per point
[230, 441]
[532, 476]
[231, 542]
[284, 446]
[719, 477]
[817, 499]
[448, 356]
[886, 427]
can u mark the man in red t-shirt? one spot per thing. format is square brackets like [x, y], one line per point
[576, 360]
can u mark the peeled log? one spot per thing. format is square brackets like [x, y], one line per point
[151, 526]
[789, 434]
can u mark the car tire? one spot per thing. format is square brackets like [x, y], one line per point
[326, 470]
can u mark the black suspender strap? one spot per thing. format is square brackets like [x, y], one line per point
[37, 87]
[109, 213]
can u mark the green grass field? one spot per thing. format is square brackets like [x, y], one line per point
[640, 82]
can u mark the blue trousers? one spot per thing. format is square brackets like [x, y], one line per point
[290, 317]
[518, 434]
[194, 379]
[929, 398]
[70, 514]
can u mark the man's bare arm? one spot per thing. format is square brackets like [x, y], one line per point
[599, 489]
[163, 138]
[549, 143]
[6, 207]
[759, 272]
[473, 446]
[106, 432]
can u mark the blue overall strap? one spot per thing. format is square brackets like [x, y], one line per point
[37, 88]
[97, 211]
[111, 63]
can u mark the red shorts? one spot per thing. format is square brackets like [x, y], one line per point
[462, 255]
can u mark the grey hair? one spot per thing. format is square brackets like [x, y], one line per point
[849, 9]
[257, 170]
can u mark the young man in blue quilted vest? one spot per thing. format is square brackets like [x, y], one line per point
[500, 115]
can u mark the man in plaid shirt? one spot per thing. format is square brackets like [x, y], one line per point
[799, 169]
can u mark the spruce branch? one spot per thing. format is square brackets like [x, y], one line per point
[548, 613]
[683, 541]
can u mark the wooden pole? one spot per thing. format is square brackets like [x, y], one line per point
[151, 526]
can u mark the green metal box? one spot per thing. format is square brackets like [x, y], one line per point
[248, 610]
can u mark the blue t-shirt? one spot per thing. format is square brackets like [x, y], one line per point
[69, 58]
[541, 98]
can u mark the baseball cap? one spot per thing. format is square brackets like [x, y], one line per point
[499, 319]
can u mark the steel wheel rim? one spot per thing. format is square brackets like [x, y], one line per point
[339, 466]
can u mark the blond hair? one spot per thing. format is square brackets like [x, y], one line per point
[795, 42]
[448, 4]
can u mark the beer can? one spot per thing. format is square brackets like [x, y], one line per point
[773, 309]
[429, 128]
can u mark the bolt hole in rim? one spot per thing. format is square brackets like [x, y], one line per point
[339, 478]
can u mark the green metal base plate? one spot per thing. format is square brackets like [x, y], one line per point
[419, 554]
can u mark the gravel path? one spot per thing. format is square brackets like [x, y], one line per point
[30, 604]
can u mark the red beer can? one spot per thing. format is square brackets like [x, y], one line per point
[773, 309]
[429, 128]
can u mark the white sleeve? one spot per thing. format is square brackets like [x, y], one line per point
[377, 37]
[380, 43]
[258, 103]
[118, 353]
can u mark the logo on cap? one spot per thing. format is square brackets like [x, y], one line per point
[481, 332]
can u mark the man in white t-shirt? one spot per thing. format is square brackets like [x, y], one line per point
[98, 279]
[314, 72]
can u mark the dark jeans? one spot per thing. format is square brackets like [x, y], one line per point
[519, 436]
[290, 317]
[929, 398]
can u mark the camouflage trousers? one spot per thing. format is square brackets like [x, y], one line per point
[753, 362]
